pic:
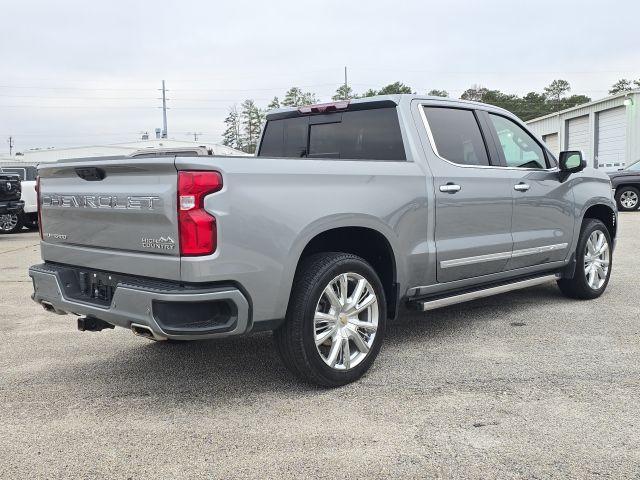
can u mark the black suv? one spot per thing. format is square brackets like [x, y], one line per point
[10, 191]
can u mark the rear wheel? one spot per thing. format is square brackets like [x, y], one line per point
[335, 321]
[593, 262]
[628, 198]
[11, 222]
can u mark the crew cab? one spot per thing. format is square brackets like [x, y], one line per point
[349, 214]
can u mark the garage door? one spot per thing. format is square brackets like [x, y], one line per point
[611, 145]
[578, 136]
[552, 143]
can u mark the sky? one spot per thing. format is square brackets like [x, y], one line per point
[84, 73]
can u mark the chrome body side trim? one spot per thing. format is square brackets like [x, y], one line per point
[458, 262]
[426, 305]
[532, 251]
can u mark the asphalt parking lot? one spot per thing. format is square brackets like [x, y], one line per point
[523, 385]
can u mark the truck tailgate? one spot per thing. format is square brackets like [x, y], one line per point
[116, 212]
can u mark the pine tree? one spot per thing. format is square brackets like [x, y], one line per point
[308, 98]
[622, 85]
[370, 93]
[438, 93]
[275, 103]
[344, 92]
[295, 97]
[292, 97]
[557, 89]
[252, 120]
[393, 88]
[231, 136]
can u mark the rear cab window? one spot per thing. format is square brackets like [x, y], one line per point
[366, 134]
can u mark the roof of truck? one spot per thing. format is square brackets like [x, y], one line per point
[380, 101]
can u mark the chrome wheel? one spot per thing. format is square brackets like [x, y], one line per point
[596, 259]
[345, 321]
[8, 222]
[629, 199]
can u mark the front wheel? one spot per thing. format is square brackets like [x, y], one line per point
[335, 321]
[593, 262]
[628, 199]
[11, 222]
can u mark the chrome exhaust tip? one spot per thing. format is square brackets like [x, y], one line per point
[146, 332]
[48, 306]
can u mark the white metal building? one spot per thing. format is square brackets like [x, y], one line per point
[607, 130]
[53, 154]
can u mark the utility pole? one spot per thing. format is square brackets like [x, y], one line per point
[346, 84]
[10, 145]
[195, 135]
[164, 111]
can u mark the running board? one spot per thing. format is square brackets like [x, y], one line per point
[427, 304]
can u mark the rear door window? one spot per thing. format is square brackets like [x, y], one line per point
[457, 135]
[372, 134]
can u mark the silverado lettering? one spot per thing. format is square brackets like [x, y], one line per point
[100, 201]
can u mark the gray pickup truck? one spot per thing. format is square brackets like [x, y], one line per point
[349, 213]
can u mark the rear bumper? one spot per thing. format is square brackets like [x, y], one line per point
[11, 207]
[169, 310]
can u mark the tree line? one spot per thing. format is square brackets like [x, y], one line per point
[244, 124]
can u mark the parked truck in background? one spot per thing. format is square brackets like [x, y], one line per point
[349, 213]
[626, 184]
[10, 193]
[28, 216]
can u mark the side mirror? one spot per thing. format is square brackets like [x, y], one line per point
[571, 161]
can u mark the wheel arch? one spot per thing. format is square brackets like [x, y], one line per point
[627, 184]
[606, 214]
[602, 211]
[367, 238]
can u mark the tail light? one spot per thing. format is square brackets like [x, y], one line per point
[39, 206]
[198, 233]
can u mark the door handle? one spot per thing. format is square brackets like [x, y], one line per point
[450, 188]
[521, 187]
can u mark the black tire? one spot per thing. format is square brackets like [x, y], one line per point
[578, 286]
[31, 221]
[295, 339]
[11, 223]
[628, 192]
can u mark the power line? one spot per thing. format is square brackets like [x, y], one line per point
[103, 134]
[195, 135]
[74, 88]
[174, 90]
[74, 98]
